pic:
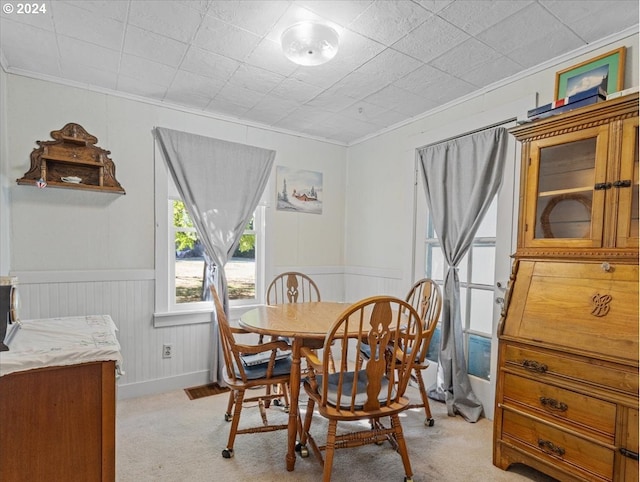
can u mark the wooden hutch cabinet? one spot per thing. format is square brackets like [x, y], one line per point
[567, 390]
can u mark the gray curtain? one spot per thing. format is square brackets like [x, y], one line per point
[461, 177]
[221, 184]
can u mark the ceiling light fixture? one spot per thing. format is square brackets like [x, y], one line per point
[309, 43]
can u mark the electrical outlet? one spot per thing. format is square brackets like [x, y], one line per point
[167, 351]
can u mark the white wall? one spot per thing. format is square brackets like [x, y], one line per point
[78, 252]
[380, 176]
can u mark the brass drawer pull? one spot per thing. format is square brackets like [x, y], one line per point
[550, 448]
[629, 453]
[552, 404]
[534, 366]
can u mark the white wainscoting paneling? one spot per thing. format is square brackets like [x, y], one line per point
[361, 282]
[128, 297]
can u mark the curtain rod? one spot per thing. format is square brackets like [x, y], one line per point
[475, 131]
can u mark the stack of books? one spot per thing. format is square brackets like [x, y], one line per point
[586, 97]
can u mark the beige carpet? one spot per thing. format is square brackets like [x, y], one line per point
[168, 437]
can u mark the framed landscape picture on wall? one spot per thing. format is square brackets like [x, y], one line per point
[298, 190]
[606, 70]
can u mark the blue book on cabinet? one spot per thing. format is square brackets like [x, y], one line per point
[586, 97]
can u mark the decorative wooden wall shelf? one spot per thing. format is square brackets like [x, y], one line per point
[71, 156]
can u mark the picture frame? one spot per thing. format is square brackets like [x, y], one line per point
[299, 190]
[607, 68]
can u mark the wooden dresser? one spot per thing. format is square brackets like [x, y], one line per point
[567, 389]
[57, 401]
[59, 424]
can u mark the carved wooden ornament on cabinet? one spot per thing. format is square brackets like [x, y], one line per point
[72, 161]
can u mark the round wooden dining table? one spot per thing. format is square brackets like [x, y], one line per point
[307, 325]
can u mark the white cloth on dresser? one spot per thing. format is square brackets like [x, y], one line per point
[60, 342]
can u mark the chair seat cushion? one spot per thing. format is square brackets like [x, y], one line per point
[254, 372]
[349, 378]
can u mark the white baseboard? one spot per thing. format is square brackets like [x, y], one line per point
[161, 385]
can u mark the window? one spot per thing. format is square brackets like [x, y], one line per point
[189, 267]
[181, 267]
[476, 274]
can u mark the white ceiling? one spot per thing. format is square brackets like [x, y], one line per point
[397, 59]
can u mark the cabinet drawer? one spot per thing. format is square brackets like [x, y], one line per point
[579, 307]
[562, 406]
[545, 364]
[578, 455]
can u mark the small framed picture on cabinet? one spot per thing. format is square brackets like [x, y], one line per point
[606, 71]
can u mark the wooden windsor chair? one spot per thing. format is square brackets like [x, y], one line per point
[291, 287]
[360, 389]
[249, 367]
[426, 298]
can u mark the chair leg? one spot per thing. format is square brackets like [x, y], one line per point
[402, 446]
[285, 392]
[267, 392]
[227, 453]
[329, 451]
[307, 422]
[227, 415]
[425, 399]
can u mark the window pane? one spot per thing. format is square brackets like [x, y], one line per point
[482, 310]
[241, 270]
[483, 265]
[188, 257]
[181, 217]
[189, 268]
[487, 228]
[479, 356]
[435, 263]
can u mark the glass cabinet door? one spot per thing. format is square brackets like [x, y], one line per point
[627, 232]
[565, 206]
